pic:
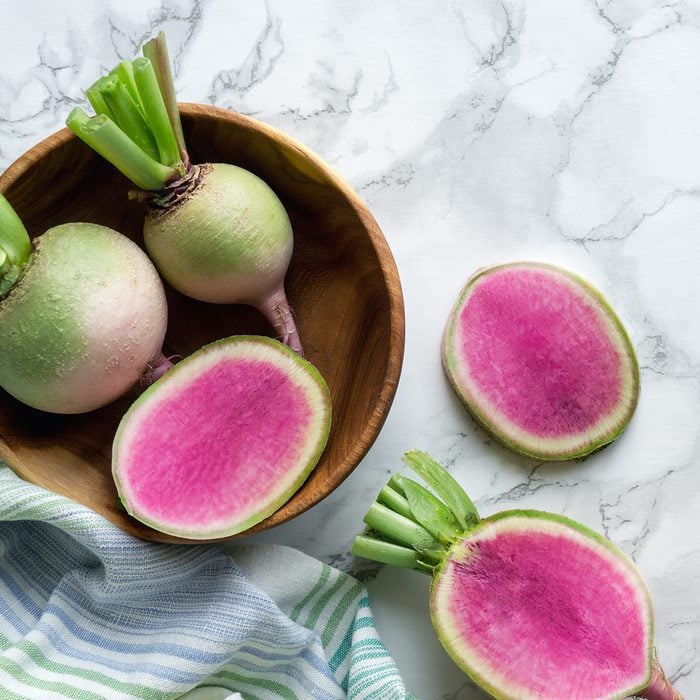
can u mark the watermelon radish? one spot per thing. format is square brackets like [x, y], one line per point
[82, 315]
[531, 605]
[215, 231]
[223, 439]
[540, 360]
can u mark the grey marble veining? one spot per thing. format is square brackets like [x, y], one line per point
[477, 132]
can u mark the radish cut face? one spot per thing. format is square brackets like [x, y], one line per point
[540, 360]
[223, 439]
[534, 605]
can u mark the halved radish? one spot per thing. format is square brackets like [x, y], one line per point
[223, 439]
[531, 605]
[540, 360]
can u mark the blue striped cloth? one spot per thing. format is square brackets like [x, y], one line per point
[88, 612]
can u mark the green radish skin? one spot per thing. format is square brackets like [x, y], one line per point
[84, 323]
[226, 240]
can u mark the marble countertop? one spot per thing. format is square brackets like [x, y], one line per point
[477, 132]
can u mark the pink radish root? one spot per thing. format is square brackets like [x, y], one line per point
[660, 688]
[276, 310]
[157, 369]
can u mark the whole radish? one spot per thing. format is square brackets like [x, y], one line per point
[82, 315]
[248, 267]
[215, 231]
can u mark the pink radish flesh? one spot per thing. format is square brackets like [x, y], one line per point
[546, 613]
[223, 439]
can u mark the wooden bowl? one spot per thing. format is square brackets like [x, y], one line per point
[342, 285]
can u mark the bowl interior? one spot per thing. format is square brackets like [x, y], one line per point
[342, 285]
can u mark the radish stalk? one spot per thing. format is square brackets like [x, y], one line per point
[125, 73]
[15, 247]
[394, 500]
[81, 324]
[98, 103]
[156, 114]
[389, 553]
[128, 115]
[403, 530]
[527, 603]
[216, 232]
[156, 51]
[105, 137]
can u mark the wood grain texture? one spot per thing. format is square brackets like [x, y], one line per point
[342, 285]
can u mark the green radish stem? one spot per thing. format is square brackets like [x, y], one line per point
[105, 137]
[431, 512]
[98, 103]
[445, 486]
[156, 50]
[391, 498]
[128, 116]
[125, 73]
[401, 529]
[410, 516]
[389, 553]
[156, 114]
[15, 246]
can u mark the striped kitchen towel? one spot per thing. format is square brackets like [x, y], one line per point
[88, 612]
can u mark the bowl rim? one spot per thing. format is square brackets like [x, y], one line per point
[385, 396]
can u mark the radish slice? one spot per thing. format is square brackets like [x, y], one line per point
[540, 360]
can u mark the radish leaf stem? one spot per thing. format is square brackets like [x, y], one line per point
[388, 553]
[105, 137]
[128, 116]
[431, 512]
[394, 500]
[125, 73]
[94, 95]
[412, 517]
[445, 486]
[15, 246]
[156, 112]
[403, 530]
[137, 125]
[156, 50]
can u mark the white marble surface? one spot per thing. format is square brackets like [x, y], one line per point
[477, 131]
